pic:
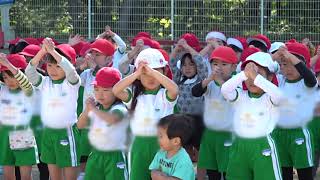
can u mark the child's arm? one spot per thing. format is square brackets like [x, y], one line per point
[315, 58]
[121, 44]
[200, 88]
[83, 119]
[126, 60]
[228, 89]
[173, 63]
[171, 87]
[71, 73]
[24, 83]
[31, 71]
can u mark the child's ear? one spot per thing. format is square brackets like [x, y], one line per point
[234, 67]
[177, 141]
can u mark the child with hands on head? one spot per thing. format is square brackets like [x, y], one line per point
[172, 162]
[152, 96]
[59, 92]
[16, 97]
[255, 117]
[217, 137]
[107, 132]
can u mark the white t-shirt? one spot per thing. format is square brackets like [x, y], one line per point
[297, 107]
[16, 108]
[59, 103]
[150, 108]
[218, 112]
[108, 137]
[254, 117]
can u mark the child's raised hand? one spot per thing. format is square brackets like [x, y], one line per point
[251, 70]
[141, 67]
[75, 39]
[48, 44]
[108, 31]
[90, 104]
[139, 43]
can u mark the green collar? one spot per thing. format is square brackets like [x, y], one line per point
[253, 95]
[14, 91]
[60, 81]
[217, 83]
[153, 92]
[104, 109]
[293, 81]
[94, 73]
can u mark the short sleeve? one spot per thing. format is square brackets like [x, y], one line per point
[120, 110]
[155, 164]
[169, 100]
[128, 102]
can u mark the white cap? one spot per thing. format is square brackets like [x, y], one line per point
[264, 60]
[152, 57]
[275, 46]
[217, 35]
[235, 42]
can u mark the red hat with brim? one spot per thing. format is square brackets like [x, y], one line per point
[103, 46]
[192, 41]
[261, 38]
[107, 77]
[68, 52]
[225, 54]
[30, 50]
[16, 60]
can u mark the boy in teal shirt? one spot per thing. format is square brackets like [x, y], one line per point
[172, 161]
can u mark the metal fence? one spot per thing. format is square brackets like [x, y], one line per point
[167, 19]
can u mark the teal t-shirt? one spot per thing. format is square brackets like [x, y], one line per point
[179, 166]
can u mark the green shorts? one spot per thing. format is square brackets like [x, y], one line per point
[60, 147]
[37, 127]
[85, 147]
[106, 165]
[295, 147]
[214, 150]
[10, 157]
[254, 159]
[141, 155]
[314, 127]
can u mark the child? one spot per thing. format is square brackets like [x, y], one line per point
[172, 161]
[152, 97]
[16, 97]
[293, 138]
[253, 153]
[59, 93]
[260, 41]
[101, 53]
[107, 133]
[217, 138]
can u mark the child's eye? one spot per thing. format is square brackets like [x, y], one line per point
[224, 64]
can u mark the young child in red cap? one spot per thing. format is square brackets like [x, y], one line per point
[108, 129]
[153, 96]
[293, 138]
[17, 144]
[59, 93]
[101, 52]
[253, 153]
[217, 138]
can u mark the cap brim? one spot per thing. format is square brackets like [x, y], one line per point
[26, 54]
[249, 40]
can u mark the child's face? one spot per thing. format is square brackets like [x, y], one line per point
[250, 83]
[100, 59]
[55, 71]
[104, 95]
[226, 68]
[189, 68]
[288, 70]
[165, 143]
[149, 82]
[10, 81]
[219, 41]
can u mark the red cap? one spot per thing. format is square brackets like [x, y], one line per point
[107, 77]
[143, 34]
[85, 49]
[192, 41]
[167, 58]
[103, 46]
[146, 41]
[14, 41]
[78, 47]
[30, 41]
[247, 52]
[299, 49]
[30, 50]
[243, 41]
[68, 51]
[16, 60]
[225, 54]
[261, 38]
[155, 44]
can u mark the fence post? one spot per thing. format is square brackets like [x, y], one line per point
[261, 16]
[89, 19]
[172, 21]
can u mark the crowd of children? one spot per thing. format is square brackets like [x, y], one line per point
[237, 108]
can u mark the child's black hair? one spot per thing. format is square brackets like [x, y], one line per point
[178, 125]
[259, 45]
[50, 58]
[183, 61]
[137, 90]
[18, 47]
[235, 48]
[9, 74]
